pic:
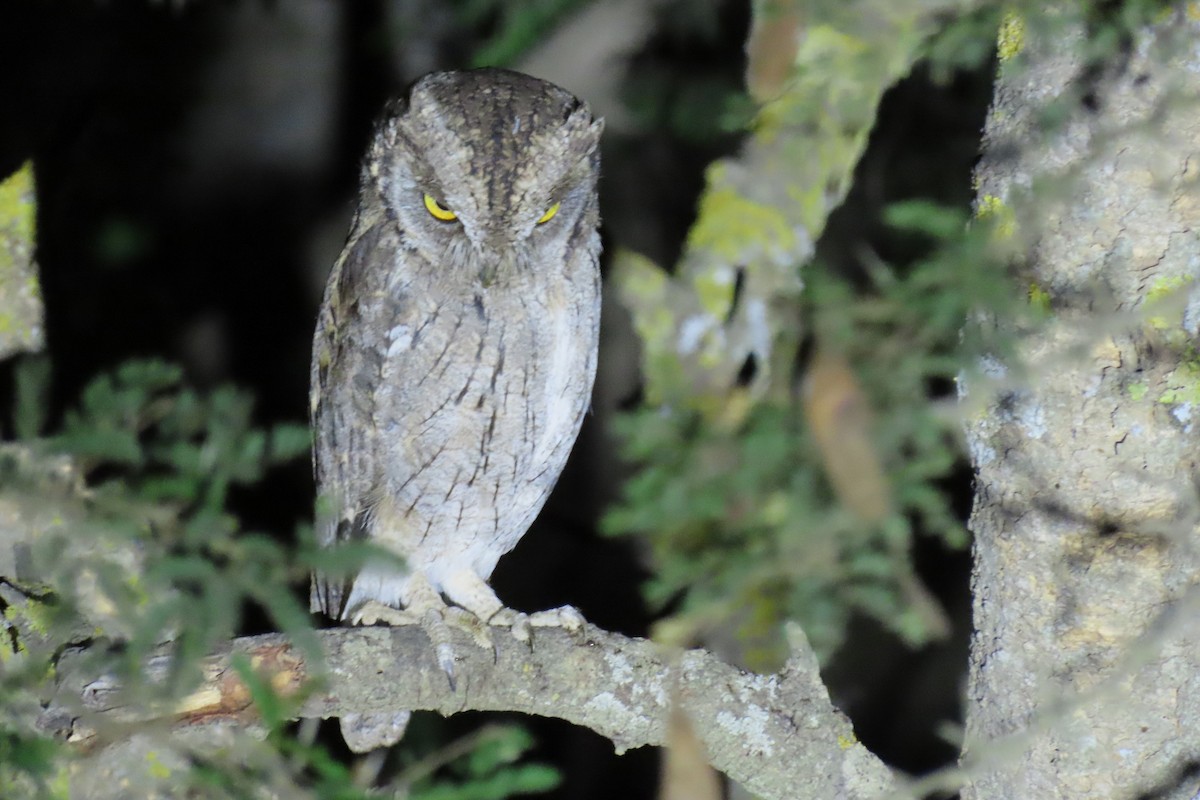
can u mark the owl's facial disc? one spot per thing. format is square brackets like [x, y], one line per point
[488, 173]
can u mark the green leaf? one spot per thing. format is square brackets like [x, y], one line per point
[921, 216]
[520, 26]
[289, 441]
[268, 702]
[149, 375]
[32, 378]
[186, 458]
[108, 445]
[247, 463]
[32, 755]
[504, 747]
[346, 558]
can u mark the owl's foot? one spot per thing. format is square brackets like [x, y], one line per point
[431, 620]
[437, 618]
[566, 617]
[471, 592]
[426, 608]
[374, 612]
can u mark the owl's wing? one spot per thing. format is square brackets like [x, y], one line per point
[348, 351]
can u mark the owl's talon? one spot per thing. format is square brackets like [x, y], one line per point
[566, 617]
[521, 629]
[374, 612]
[445, 659]
[470, 624]
[436, 624]
[516, 621]
[432, 621]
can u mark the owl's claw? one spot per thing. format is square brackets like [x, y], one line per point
[437, 622]
[566, 617]
[433, 622]
[516, 621]
[469, 624]
[434, 617]
[374, 612]
[474, 609]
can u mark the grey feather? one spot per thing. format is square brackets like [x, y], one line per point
[453, 360]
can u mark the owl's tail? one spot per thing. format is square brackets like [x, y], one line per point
[366, 732]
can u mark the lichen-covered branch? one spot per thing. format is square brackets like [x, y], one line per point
[720, 339]
[21, 324]
[820, 72]
[779, 735]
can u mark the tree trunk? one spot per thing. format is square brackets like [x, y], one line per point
[1085, 670]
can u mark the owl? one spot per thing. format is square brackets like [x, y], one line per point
[455, 352]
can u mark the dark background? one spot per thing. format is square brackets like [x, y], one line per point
[196, 170]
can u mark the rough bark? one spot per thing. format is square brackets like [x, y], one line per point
[1085, 670]
[778, 734]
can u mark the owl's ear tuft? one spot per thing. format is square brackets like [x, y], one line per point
[592, 137]
[577, 117]
[396, 106]
[583, 131]
[573, 109]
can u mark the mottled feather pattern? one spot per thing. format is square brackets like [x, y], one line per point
[453, 361]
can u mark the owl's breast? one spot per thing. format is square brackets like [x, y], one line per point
[480, 402]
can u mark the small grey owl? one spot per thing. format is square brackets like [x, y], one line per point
[455, 351]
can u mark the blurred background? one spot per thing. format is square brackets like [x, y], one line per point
[197, 165]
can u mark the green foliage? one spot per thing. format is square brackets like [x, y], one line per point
[699, 104]
[516, 26]
[32, 385]
[971, 40]
[27, 762]
[743, 521]
[737, 487]
[291, 759]
[135, 546]
[160, 460]
[140, 552]
[482, 766]
[695, 109]
[166, 443]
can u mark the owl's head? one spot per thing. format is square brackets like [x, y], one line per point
[488, 173]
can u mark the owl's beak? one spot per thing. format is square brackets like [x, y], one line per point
[492, 264]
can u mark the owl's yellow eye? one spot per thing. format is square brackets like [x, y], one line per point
[438, 210]
[549, 215]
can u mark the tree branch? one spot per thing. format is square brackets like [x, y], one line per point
[779, 735]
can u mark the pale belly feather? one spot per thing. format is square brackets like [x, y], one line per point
[478, 436]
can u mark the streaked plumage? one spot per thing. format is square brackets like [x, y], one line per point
[453, 359]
